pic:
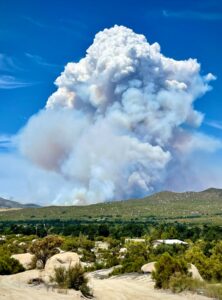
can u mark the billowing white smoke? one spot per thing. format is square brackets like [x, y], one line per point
[111, 126]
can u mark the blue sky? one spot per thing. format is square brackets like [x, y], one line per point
[37, 38]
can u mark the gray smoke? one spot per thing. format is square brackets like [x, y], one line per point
[117, 119]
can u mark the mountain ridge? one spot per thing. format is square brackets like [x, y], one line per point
[5, 203]
[204, 206]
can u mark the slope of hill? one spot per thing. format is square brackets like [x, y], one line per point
[205, 206]
[4, 203]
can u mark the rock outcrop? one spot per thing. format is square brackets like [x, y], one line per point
[65, 259]
[25, 259]
[148, 268]
[195, 273]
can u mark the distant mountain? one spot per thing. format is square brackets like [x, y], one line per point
[199, 207]
[4, 203]
[213, 190]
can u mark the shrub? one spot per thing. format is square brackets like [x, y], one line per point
[9, 266]
[179, 283]
[210, 266]
[60, 277]
[45, 248]
[88, 256]
[173, 250]
[195, 256]
[72, 244]
[72, 278]
[214, 291]
[136, 256]
[166, 267]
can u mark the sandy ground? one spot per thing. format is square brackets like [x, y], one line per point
[127, 287]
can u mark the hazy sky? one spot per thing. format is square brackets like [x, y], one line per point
[38, 38]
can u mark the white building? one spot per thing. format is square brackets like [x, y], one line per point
[169, 242]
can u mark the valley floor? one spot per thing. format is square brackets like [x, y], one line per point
[127, 287]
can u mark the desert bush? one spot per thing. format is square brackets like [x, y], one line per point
[72, 278]
[173, 250]
[99, 265]
[73, 243]
[166, 267]
[111, 260]
[9, 266]
[196, 256]
[60, 277]
[179, 282]
[213, 291]
[210, 267]
[136, 256]
[45, 248]
[88, 256]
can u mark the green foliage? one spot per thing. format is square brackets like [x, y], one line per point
[214, 291]
[73, 243]
[166, 267]
[110, 257]
[45, 248]
[72, 278]
[196, 256]
[88, 256]
[173, 250]
[137, 255]
[9, 265]
[82, 245]
[179, 282]
[210, 267]
[60, 277]
[178, 206]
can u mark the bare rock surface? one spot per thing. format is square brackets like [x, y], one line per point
[14, 287]
[148, 268]
[65, 259]
[125, 287]
[25, 259]
[195, 273]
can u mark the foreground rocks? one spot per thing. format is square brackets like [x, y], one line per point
[16, 287]
[126, 287]
[148, 268]
[25, 259]
[195, 273]
[65, 260]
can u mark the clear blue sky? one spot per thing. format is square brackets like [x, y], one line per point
[38, 38]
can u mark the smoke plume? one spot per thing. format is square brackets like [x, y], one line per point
[119, 118]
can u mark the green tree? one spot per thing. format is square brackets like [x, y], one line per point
[166, 267]
[45, 248]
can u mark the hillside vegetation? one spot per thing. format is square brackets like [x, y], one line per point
[198, 207]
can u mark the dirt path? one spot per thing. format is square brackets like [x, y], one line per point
[129, 287]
